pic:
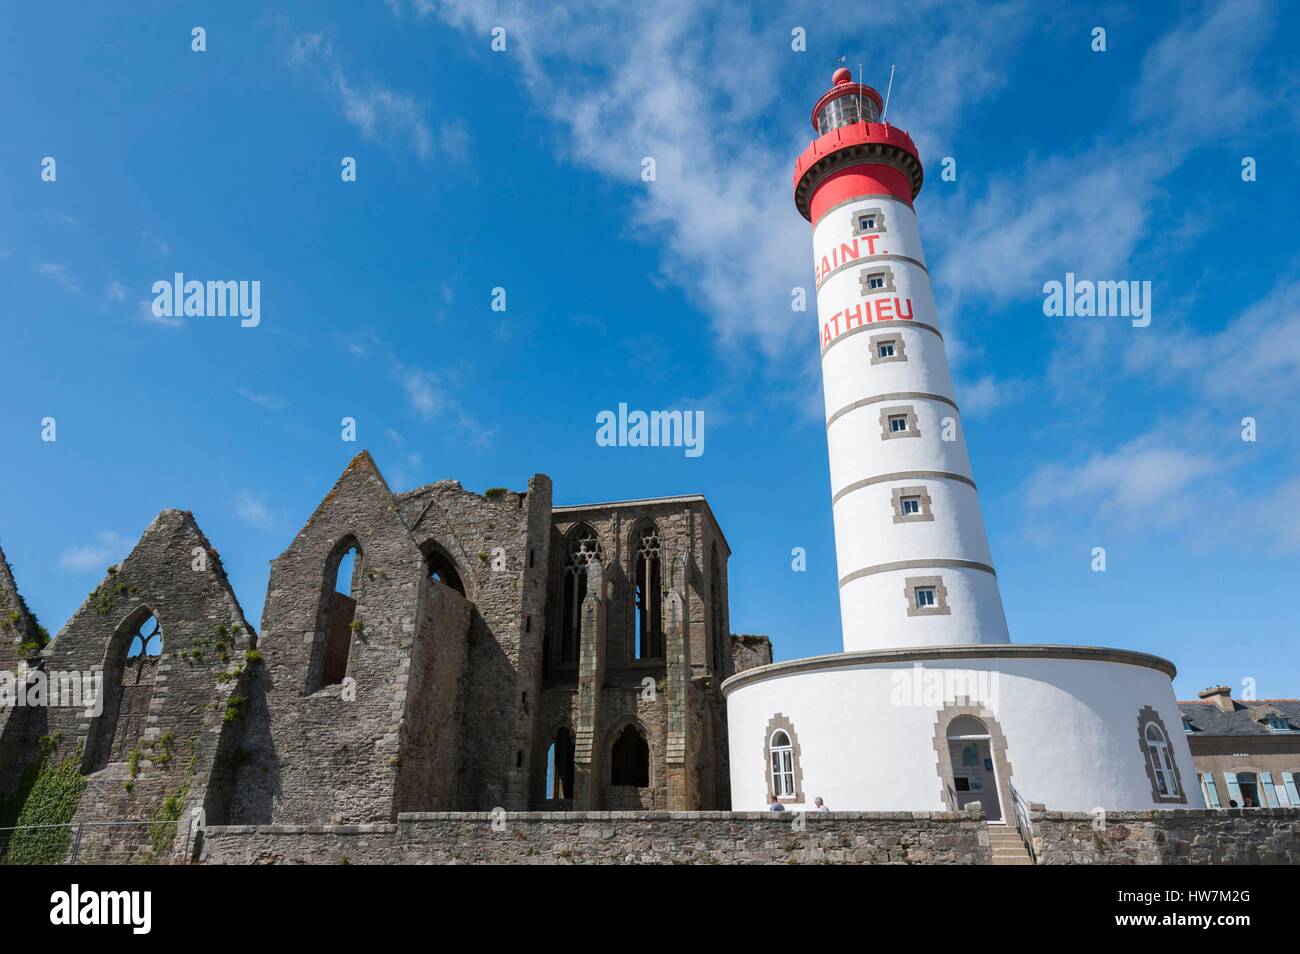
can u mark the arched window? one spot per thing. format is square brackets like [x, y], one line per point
[129, 679]
[583, 548]
[559, 765]
[340, 612]
[629, 762]
[442, 569]
[781, 761]
[1158, 752]
[649, 596]
[782, 752]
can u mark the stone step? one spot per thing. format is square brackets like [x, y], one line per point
[1022, 860]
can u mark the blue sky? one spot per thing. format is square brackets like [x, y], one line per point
[522, 170]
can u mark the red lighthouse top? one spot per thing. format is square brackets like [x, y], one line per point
[854, 151]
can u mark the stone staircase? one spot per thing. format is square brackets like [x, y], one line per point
[1008, 848]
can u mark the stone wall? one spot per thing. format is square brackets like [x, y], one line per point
[19, 727]
[750, 652]
[614, 838]
[500, 546]
[316, 752]
[187, 733]
[673, 701]
[1181, 837]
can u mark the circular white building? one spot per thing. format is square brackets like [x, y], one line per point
[930, 706]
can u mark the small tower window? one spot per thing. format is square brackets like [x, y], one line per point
[868, 221]
[887, 348]
[898, 422]
[912, 505]
[926, 596]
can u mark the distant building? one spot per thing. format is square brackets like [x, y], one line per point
[1247, 753]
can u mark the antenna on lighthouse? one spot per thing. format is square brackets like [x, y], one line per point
[860, 116]
[888, 90]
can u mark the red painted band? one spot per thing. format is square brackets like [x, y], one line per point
[868, 179]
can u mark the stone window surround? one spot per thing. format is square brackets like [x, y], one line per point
[964, 706]
[612, 735]
[900, 348]
[780, 723]
[926, 513]
[879, 227]
[1146, 716]
[905, 409]
[940, 608]
[869, 273]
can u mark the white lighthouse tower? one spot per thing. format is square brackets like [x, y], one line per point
[930, 706]
[914, 562]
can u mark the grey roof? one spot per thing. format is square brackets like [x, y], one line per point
[1208, 719]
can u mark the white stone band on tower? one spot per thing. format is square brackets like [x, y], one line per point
[913, 556]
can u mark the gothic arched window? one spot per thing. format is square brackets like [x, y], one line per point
[442, 569]
[343, 570]
[129, 679]
[559, 765]
[629, 762]
[649, 595]
[583, 548]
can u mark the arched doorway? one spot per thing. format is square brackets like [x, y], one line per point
[974, 775]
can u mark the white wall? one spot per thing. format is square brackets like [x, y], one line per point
[874, 611]
[1071, 727]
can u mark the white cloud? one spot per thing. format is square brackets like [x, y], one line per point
[252, 509]
[379, 113]
[985, 394]
[268, 401]
[59, 273]
[691, 87]
[146, 314]
[116, 291]
[423, 390]
[1091, 211]
[1262, 343]
[109, 548]
[1151, 478]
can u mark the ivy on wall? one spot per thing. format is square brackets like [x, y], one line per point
[48, 796]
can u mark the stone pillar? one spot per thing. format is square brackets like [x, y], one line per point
[677, 650]
[588, 761]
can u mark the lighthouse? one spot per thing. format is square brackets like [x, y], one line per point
[913, 558]
[930, 706]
